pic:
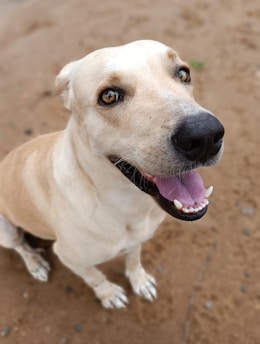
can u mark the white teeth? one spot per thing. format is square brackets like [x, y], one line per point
[204, 203]
[190, 209]
[178, 204]
[208, 192]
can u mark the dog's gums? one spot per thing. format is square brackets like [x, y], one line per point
[183, 197]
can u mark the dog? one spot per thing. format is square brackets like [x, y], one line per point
[128, 155]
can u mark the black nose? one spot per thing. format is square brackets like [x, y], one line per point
[199, 137]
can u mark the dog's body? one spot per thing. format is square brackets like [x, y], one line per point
[126, 104]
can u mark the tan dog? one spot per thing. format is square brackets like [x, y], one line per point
[134, 125]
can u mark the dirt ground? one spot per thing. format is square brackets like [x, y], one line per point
[208, 272]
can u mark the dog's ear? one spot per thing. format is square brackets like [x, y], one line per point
[63, 84]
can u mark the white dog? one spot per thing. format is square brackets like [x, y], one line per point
[129, 150]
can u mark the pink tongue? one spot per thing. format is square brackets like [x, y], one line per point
[187, 188]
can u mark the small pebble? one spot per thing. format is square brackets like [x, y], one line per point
[25, 295]
[244, 288]
[246, 274]
[28, 132]
[63, 340]
[5, 331]
[237, 203]
[245, 232]
[47, 93]
[160, 269]
[68, 289]
[248, 211]
[209, 304]
[77, 328]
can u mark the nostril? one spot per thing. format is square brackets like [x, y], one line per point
[198, 137]
[219, 136]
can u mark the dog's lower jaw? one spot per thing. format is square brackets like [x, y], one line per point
[172, 210]
[145, 184]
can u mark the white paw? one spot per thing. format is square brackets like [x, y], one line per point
[35, 263]
[143, 284]
[111, 295]
[38, 267]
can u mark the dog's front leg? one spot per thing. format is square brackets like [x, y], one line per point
[142, 283]
[110, 294]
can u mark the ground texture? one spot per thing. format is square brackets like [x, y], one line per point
[208, 272]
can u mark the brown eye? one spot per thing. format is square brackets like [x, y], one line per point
[184, 75]
[109, 96]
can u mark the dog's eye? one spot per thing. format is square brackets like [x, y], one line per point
[109, 96]
[184, 74]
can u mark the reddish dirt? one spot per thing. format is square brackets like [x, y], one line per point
[208, 272]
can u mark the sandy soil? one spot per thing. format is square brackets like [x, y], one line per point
[208, 272]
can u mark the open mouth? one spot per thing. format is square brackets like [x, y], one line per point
[182, 196]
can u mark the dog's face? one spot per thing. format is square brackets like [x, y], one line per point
[134, 105]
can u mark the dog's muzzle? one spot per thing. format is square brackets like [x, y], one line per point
[197, 140]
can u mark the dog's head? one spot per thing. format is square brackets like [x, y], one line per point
[134, 104]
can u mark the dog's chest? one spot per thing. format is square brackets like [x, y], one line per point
[135, 234]
[109, 225]
[138, 223]
[120, 224]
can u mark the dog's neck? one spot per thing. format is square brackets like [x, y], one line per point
[74, 154]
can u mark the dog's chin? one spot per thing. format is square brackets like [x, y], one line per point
[162, 189]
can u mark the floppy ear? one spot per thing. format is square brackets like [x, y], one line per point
[63, 84]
